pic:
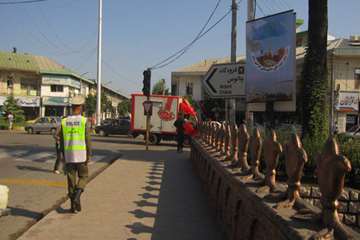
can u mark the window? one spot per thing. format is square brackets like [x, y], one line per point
[43, 120]
[189, 89]
[10, 83]
[57, 88]
[357, 78]
[29, 87]
[173, 89]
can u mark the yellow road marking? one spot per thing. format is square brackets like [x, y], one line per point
[33, 182]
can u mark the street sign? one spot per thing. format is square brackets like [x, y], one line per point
[148, 108]
[225, 80]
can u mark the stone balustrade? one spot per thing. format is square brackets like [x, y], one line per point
[248, 207]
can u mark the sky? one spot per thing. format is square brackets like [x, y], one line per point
[137, 34]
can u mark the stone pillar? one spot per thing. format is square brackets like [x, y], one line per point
[272, 150]
[256, 144]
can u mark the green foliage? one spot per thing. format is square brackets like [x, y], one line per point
[106, 104]
[3, 123]
[350, 147]
[10, 106]
[124, 107]
[160, 88]
[90, 105]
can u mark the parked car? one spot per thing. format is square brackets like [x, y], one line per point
[44, 124]
[115, 127]
[353, 132]
[107, 121]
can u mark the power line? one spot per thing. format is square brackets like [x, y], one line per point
[185, 50]
[195, 39]
[260, 8]
[21, 2]
[121, 76]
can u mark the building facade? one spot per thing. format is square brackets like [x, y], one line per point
[41, 86]
[343, 77]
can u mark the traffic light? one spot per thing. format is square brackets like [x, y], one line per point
[147, 82]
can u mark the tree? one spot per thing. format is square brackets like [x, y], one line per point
[160, 88]
[10, 106]
[315, 85]
[90, 105]
[106, 105]
[124, 107]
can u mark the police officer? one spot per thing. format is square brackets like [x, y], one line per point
[76, 146]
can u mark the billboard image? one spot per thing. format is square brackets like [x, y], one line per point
[271, 58]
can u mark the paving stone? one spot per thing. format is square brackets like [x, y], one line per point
[315, 192]
[354, 207]
[305, 191]
[344, 196]
[354, 195]
[349, 219]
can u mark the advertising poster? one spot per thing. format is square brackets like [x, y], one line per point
[348, 102]
[271, 58]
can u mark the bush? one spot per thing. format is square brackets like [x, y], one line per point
[3, 123]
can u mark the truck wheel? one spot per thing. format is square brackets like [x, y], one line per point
[102, 133]
[30, 131]
[153, 138]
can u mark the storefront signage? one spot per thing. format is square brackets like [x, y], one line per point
[61, 80]
[2, 100]
[55, 101]
[348, 102]
[28, 101]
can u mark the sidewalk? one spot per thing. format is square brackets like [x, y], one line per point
[145, 195]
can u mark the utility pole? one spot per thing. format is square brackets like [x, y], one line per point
[250, 16]
[98, 99]
[232, 102]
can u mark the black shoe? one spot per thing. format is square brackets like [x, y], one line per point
[77, 203]
[73, 208]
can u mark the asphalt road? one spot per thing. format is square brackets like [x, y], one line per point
[26, 163]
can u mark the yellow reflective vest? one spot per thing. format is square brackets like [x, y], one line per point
[74, 136]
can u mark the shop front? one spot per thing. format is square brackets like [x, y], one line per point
[30, 106]
[2, 101]
[347, 111]
[54, 106]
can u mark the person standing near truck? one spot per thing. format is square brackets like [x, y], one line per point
[180, 131]
[10, 118]
[76, 146]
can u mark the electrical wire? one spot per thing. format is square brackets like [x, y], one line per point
[112, 69]
[203, 34]
[21, 2]
[186, 48]
[260, 8]
[195, 39]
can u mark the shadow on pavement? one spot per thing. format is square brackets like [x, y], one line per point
[182, 210]
[128, 140]
[62, 210]
[35, 169]
[15, 211]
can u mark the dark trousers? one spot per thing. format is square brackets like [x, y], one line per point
[77, 176]
[58, 157]
[180, 141]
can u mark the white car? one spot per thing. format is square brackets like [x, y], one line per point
[353, 132]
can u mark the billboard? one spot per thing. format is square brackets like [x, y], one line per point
[347, 102]
[271, 58]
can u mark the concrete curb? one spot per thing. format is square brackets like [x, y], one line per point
[62, 200]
